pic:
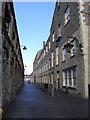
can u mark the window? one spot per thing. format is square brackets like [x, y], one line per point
[59, 30]
[46, 66]
[46, 79]
[57, 55]
[69, 77]
[66, 16]
[52, 78]
[49, 45]
[52, 57]
[49, 63]
[64, 54]
[74, 77]
[53, 36]
[49, 80]
[73, 49]
[66, 78]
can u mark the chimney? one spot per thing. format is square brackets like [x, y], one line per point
[43, 44]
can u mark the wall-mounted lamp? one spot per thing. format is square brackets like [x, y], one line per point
[85, 12]
[24, 47]
[69, 45]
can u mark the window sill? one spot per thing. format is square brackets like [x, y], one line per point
[72, 56]
[63, 61]
[51, 67]
[56, 65]
[70, 87]
[66, 23]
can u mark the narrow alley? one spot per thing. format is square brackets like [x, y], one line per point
[33, 102]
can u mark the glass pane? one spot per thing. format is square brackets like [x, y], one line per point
[74, 73]
[67, 11]
[65, 81]
[74, 82]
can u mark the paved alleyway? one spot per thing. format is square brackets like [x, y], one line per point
[35, 103]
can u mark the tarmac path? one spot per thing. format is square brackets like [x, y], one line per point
[32, 102]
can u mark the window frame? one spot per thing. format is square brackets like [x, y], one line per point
[64, 54]
[57, 55]
[73, 48]
[53, 36]
[67, 15]
[67, 78]
[52, 59]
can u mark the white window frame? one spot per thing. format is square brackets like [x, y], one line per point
[46, 79]
[59, 30]
[52, 58]
[53, 36]
[52, 79]
[57, 55]
[73, 49]
[66, 78]
[63, 54]
[66, 15]
[49, 64]
[49, 44]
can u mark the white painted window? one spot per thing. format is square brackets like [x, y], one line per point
[46, 66]
[74, 77]
[69, 77]
[46, 79]
[59, 30]
[49, 63]
[49, 45]
[64, 54]
[73, 49]
[52, 78]
[57, 55]
[52, 57]
[66, 16]
[53, 36]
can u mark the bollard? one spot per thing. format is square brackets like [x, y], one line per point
[52, 91]
[66, 89]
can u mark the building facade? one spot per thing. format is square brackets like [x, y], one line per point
[11, 62]
[27, 77]
[58, 67]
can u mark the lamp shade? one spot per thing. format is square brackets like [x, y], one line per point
[68, 47]
[24, 48]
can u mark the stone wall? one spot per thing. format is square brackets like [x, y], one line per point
[12, 62]
[79, 60]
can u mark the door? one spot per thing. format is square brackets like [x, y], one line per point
[58, 84]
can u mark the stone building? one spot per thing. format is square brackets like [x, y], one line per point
[27, 77]
[11, 62]
[31, 78]
[64, 61]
